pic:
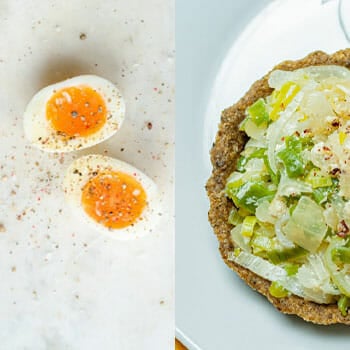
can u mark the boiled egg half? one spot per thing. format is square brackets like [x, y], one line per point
[74, 114]
[112, 196]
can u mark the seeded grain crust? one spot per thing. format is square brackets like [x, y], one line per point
[228, 145]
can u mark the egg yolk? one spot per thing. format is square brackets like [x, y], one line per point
[114, 199]
[76, 111]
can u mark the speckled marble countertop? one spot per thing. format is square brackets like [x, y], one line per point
[63, 285]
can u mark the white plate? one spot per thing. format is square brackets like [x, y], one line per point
[63, 285]
[222, 48]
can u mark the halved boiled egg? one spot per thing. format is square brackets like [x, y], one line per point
[74, 114]
[112, 195]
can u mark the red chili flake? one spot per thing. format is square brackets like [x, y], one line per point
[343, 229]
[325, 148]
[335, 123]
[335, 171]
[155, 89]
[306, 131]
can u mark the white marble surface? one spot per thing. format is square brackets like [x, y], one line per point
[63, 286]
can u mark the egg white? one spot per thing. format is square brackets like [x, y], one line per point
[81, 171]
[41, 134]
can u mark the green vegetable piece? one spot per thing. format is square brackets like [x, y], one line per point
[243, 123]
[339, 276]
[320, 195]
[291, 269]
[293, 162]
[274, 177]
[248, 226]
[242, 161]
[258, 112]
[277, 256]
[233, 184]
[237, 251]
[261, 243]
[292, 208]
[248, 195]
[259, 153]
[343, 304]
[341, 255]
[316, 180]
[277, 290]
[234, 218]
[291, 155]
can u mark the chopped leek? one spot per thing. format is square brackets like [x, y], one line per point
[277, 290]
[248, 195]
[283, 98]
[248, 226]
[252, 130]
[320, 195]
[342, 137]
[291, 269]
[234, 218]
[291, 155]
[261, 243]
[242, 161]
[317, 180]
[258, 113]
[234, 181]
[277, 256]
[343, 304]
[341, 255]
[238, 240]
[339, 277]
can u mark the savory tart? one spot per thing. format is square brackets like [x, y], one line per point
[280, 187]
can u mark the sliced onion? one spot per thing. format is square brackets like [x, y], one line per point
[313, 275]
[274, 273]
[285, 242]
[262, 213]
[260, 266]
[318, 73]
[238, 239]
[288, 186]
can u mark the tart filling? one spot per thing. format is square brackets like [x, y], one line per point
[291, 187]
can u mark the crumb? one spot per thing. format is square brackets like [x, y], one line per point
[161, 302]
[13, 269]
[82, 36]
[149, 126]
[2, 228]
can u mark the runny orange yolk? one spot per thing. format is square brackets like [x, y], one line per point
[114, 199]
[76, 111]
